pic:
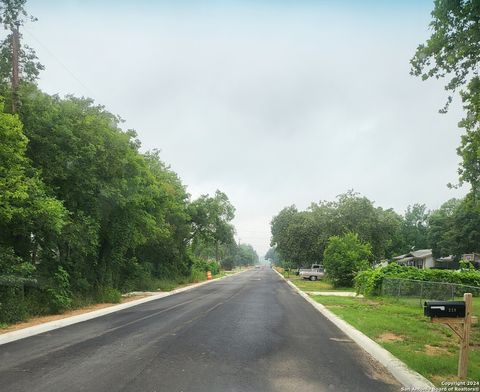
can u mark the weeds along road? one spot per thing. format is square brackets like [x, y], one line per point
[248, 332]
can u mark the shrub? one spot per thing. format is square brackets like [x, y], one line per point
[202, 265]
[466, 265]
[109, 295]
[213, 268]
[370, 282]
[344, 257]
[197, 276]
[58, 291]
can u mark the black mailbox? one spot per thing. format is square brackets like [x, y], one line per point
[444, 309]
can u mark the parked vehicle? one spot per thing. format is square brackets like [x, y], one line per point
[315, 272]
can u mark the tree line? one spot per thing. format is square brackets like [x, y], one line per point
[300, 238]
[84, 214]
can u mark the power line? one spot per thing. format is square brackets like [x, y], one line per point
[89, 91]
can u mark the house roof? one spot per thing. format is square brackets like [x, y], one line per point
[417, 254]
[421, 253]
[446, 258]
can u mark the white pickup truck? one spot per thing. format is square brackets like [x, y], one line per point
[314, 273]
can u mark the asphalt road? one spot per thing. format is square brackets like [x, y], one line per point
[248, 332]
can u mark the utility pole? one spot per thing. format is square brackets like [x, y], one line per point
[15, 66]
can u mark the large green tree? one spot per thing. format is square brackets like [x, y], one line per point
[13, 15]
[414, 229]
[454, 229]
[453, 52]
[273, 256]
[30, 218]
[211, 219]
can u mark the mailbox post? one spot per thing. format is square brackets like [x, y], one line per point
[458, 316]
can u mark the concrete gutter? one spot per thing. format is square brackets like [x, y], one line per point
[335, 293]
[51, 325]
[406, 376]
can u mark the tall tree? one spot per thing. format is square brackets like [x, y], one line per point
[17, 62]
[30, 219]
[415, 228]
[453, 52]
[273, 256]
[454, 229]
[211, 218]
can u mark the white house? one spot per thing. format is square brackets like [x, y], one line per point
[422, 258]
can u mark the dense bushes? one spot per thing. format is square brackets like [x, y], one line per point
[370, 282]
[344, 256]
[202, 265]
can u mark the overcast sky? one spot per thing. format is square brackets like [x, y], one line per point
[273, 102]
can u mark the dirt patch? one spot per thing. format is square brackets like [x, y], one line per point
[434, 351]
[45, 319]
[389, 337]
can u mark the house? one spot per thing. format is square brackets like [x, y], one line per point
[422, 258]
[473, 258]
[447, 262]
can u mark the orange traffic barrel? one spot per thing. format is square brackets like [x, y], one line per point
[209, 275]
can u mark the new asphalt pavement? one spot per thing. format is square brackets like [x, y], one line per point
[247, 332]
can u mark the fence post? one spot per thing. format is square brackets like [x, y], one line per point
[421, 293]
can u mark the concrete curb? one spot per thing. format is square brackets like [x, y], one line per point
[406, 376]
[51, 325]
[335, 293]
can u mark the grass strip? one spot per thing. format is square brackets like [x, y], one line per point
[400, 327]
[317, 285]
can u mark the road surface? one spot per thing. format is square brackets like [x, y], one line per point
[248, 332]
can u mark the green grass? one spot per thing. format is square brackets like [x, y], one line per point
[317, 285]
[430, 349]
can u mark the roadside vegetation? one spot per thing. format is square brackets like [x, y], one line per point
[85, 215]
[370, 282]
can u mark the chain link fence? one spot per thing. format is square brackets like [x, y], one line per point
[13, 293]
[418, 291]
[16, 281]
